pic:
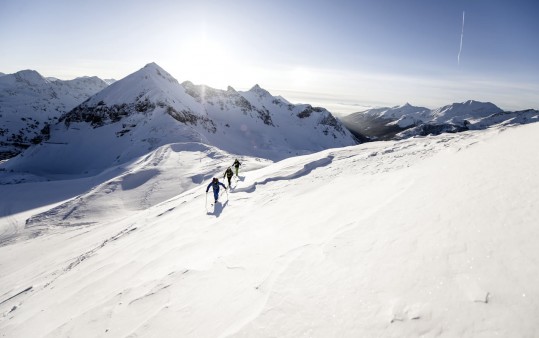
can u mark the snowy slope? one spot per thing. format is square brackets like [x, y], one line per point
[505, 118]
[405, 115]
[149, 109]
[458, 112]
[384, 123]
[431, 237]
[29, 103]
[258, 124]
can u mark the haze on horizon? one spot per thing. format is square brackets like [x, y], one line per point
[342, 55]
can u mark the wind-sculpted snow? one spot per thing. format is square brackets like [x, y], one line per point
[306, 170]
[135, 180]
[147, 181]
[421, 237]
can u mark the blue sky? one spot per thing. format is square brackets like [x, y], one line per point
[343, 55]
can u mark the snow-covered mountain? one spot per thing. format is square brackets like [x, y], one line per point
[30, 103]
[109, 81]
[408, 121]
[457, 113]
[430, 237]
[150, 108]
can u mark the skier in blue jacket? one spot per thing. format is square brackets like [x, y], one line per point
[215, 184]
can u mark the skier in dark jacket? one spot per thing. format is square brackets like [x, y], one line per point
[236, 165]
[228, 174]
[215, 184]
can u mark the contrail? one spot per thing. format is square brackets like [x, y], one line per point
[461, 36]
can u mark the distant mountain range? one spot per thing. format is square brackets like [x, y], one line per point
[88, 124]
[30, 103]
[408, 121]
[150, 108]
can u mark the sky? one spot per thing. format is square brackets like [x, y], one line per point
[342, 55]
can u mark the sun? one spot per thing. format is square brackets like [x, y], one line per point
[206, 61]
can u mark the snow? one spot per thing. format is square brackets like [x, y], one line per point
[404, 115]
[150, 109]
[29, 102]
[151, 81]
[408, 115]
[27, 91]
[458, 112]
[432, 237]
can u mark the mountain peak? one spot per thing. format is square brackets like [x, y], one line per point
[472, 105]
[29, 76]
[153, 69]
[27, 72]
[470, 102]
[153, 65]
[261, 92]
[458, 112]
[150, 82]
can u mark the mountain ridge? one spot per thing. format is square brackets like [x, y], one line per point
[149, 108]
[30, 103]
[400, 122]
[92, 100]
[438, 245]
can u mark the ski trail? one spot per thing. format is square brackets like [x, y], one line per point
[89, 253]
[17, 294]
[306, 170]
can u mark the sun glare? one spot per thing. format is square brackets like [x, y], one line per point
[205, 61]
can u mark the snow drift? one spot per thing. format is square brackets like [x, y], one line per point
[429, 237]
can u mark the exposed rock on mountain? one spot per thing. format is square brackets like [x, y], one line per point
[150, 108]
[407, 121]
[30, 103]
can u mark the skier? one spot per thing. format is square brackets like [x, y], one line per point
[228, 174]
[215, 183]
[237, 166]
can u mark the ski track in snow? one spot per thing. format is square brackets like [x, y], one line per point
[143, 178]
[284, 261]
[55, 275]
[409, 151]
[306, 170]
[270, 282]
